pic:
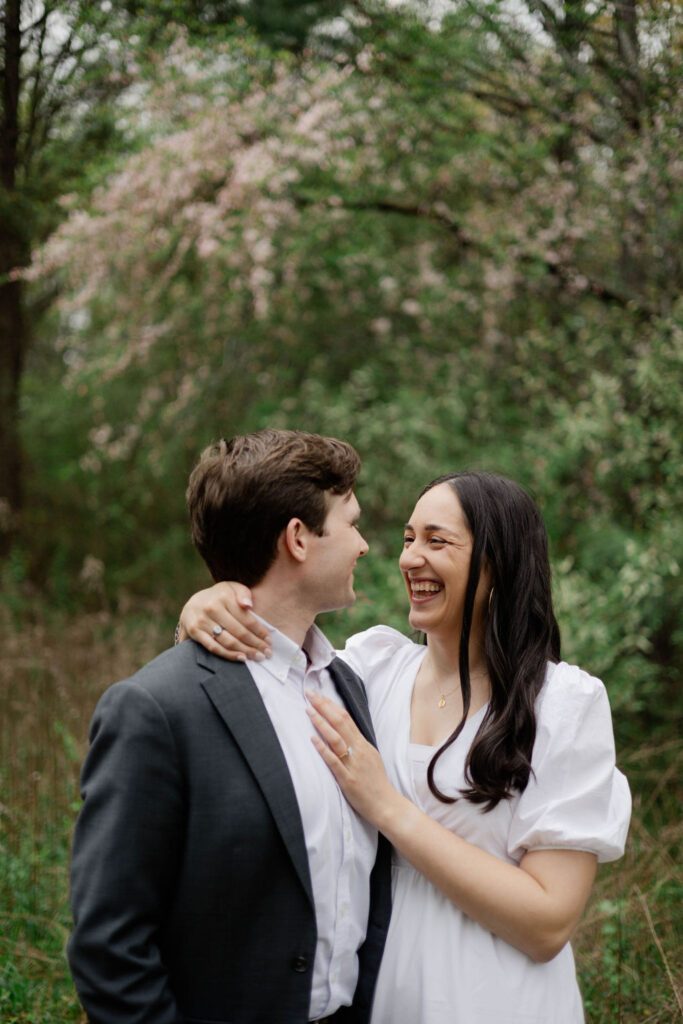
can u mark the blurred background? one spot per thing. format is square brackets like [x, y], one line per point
[449, 233]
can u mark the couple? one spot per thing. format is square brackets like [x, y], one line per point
[230, 861]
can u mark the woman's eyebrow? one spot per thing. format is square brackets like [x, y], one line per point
[430, 528]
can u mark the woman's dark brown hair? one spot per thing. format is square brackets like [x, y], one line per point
[521, 633]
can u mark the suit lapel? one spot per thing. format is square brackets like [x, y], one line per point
[232, 692]
[351, 691]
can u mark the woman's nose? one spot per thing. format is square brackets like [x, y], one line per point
[411, 557]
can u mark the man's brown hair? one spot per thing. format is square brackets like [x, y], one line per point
[243, 492]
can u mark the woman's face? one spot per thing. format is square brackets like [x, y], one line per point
[435, 563]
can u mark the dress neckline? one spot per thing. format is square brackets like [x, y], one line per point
[478, 714]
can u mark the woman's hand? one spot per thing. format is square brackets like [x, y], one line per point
[355, 763]
[220, 620]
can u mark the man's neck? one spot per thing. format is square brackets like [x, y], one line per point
[282, 612]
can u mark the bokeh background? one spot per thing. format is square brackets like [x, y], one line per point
[449, 233]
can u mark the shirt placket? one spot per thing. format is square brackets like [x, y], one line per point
[343, 919]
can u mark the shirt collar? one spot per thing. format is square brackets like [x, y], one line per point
[317, 652]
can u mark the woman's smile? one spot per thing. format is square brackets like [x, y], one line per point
[422, 590]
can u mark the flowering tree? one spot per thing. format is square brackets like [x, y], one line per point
[64, 64]
[447, 257]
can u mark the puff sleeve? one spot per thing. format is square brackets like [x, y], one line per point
[576, 798]
[367, 653]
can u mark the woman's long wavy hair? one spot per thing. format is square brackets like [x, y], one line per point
[521, 633]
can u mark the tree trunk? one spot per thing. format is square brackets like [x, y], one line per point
[13, 253]
[626, 30]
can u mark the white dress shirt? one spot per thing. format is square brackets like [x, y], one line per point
[341, 846]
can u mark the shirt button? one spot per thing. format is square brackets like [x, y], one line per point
[300, 964]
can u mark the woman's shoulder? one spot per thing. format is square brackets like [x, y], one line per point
[375, 648]
[572, 710]
[380, 638]
[568, 685]
[576, 798]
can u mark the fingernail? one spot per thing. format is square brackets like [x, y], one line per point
[246, 603]
[241, 657]
[268, 653]
[258, 656]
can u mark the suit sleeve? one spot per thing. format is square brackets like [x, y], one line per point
[125, 858]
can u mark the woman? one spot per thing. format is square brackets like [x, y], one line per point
[498, 788]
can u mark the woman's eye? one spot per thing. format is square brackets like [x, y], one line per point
[407, 540]
[436, 540]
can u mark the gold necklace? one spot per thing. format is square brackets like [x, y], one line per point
[444, 696]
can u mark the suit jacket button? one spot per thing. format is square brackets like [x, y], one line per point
[300, 964]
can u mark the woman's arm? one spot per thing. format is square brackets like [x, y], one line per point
[225, 605]
[534, 906]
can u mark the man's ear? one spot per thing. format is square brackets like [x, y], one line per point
[295, 539]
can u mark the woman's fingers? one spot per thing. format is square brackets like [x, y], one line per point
[222, 633]
[334, 724]
[244, 635]
[333, 740]
[333, 715]
[355, 763]
[335, 764]
[220, 620]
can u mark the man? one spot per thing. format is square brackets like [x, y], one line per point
[217, 873]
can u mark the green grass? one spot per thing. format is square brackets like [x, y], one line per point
[53, 670]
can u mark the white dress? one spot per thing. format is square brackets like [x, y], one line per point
[440, 966]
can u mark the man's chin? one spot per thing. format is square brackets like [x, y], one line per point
[343, 602]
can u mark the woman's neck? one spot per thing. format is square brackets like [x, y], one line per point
[443, 656]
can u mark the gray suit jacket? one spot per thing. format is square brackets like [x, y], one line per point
[190, 885]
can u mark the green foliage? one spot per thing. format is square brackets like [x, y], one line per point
[34, 983]
[281, 23]
[450, 259]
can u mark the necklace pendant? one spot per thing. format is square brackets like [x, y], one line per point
[442, 702]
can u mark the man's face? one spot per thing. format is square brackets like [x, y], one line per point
[334, 555]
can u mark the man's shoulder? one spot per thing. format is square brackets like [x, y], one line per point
[174, 676]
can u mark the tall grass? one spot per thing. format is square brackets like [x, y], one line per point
[52, 673]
